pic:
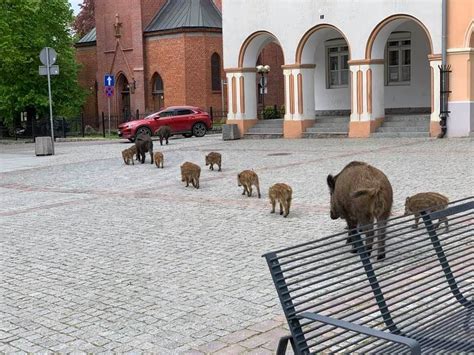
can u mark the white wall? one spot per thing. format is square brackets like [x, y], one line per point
[418, 93]
[328, 99]
[289, 20]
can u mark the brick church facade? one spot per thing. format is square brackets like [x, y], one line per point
[162, 53]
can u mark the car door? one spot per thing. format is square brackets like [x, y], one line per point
[184, 119]
[166, 119]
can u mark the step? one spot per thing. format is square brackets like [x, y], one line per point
[383, 128]
[266, 130]
[329, 119]
[325, 135]
[406, 123]
[327, 129]
[406, 118]
[269, 124]
[263, 135]
[334, 126]
[400, 135]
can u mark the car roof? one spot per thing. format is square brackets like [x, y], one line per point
[181, 107]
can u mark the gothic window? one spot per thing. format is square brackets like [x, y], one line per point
[216, 72]
[158, 93]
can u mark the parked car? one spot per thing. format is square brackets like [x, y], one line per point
[185, 120]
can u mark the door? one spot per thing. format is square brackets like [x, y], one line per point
[184, 119]
[166, 119]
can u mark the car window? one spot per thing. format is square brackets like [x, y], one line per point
[183, 112]
[167, 113]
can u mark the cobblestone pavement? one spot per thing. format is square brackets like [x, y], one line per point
[97, 256]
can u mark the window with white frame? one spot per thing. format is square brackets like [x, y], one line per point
[337, 67]
[398, 59]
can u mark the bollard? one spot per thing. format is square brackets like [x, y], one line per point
[82, 124]
[103, 124]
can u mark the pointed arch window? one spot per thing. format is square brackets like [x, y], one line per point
[216, 72]
[158, 92]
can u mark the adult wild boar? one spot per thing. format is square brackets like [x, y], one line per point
[360, 194]
[144, 144]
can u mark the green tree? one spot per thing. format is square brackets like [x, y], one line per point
[26, 26]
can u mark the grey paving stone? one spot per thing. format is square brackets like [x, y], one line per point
[110, 254]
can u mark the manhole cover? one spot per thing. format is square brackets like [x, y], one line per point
[277, 154]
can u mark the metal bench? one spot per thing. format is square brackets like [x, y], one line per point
[420, 299]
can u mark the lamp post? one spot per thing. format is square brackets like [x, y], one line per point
[262, 70]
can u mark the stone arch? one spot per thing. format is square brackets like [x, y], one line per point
[305, 49]
[157, 92]
[378, 37]
[469, 38]
[253, 45]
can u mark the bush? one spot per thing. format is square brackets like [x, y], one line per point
[272, 112]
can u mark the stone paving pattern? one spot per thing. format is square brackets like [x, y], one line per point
[97, 256]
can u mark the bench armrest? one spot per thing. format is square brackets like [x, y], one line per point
[411, 343]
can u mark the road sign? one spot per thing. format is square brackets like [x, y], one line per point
[109, 91]
[48, 52]
[48, 58]
[109, 80]
[53, 70]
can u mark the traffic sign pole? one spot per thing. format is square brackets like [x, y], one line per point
[50, 101]
[108, 104]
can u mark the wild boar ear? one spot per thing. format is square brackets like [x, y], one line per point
[331, 182]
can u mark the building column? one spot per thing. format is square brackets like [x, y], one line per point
[435, 128]
[299, 99]
[460, 122]
[367, 96]
[242, 98]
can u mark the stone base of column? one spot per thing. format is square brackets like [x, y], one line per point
[244, 125]
[295, 129]
[363, 129]
[435, 129]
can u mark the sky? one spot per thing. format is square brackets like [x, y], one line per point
[75, 5]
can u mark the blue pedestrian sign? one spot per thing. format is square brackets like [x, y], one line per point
[109, 80]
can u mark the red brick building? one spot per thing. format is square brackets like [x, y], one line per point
[161, 52]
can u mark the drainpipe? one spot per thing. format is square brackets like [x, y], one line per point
[443, 97]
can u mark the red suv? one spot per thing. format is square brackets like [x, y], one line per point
[185, 120]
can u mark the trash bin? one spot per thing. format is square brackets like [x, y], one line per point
[230, 132]
[43, 146]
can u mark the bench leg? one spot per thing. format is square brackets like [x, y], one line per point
[283, 345]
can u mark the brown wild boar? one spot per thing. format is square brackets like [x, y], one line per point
[190, 173]
[282, 193]
[247, 178]
[214, 158]
[127, 155]
[360, 194]
[163, 132]
[158, 158]
[426, 201]
[144, 144]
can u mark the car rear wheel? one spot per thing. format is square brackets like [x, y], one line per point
[199, 129]
[143, 130]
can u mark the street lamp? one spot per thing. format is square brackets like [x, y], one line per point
[262, 70]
